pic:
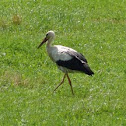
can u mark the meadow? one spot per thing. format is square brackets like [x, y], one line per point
[28, 77]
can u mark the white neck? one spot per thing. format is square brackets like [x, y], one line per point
[49, 43]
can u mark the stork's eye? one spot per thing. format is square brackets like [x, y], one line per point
[47, 35]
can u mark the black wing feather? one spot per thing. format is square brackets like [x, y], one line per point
[79, 56]
[78, 63]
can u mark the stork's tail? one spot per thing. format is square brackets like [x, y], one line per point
[87, 70]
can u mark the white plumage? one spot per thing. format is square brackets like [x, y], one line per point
[67, 59]
[58, 52]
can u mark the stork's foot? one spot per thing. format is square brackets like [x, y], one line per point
[63, 82]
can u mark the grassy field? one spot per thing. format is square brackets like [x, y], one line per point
[28, 77]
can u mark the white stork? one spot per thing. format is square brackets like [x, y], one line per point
[68, 60]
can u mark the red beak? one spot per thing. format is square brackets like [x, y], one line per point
[44, 40]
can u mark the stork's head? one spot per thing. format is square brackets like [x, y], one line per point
[49, 37]
[50, 34]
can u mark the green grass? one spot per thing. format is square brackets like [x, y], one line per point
[27, 75]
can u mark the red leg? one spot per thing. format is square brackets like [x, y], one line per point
[60, 82]
[70, 83]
